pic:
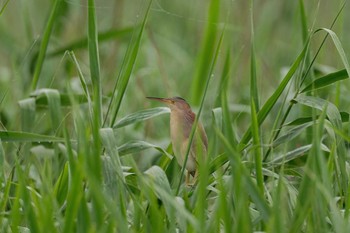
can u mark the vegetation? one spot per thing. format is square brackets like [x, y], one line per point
[81, 149]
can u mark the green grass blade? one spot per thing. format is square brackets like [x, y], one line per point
[2, 162]
[125, 72]
[61, 186]
[141, 116]
[291, 133]
[326, 80]
[28, 108]
[253, 79]
[156, 179]
[65, 99]
[306, 204]
[304, 27]
[338, 46]
[137, 146]
[306, 73]
[20, 136]
[266, 108]
[333, 113]
[81, 77]
[83, 84]
[290, 155]
[94, 64]
[110, 143]
[226, 115]
[257, 147]
[334, 117]
[250, 186]
[45, 41]
[113, 173]
[54, 104]
[207, 52]
[4, 7]
[74, 200]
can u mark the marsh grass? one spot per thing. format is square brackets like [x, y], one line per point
[84, 155]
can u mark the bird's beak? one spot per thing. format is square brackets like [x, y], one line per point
[163, 100]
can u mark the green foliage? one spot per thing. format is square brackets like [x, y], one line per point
[83, 150]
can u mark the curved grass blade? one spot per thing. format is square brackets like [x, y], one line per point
[302, 120]
[338, 46]
[251, 187]
[141, 116]
[81, 77]
[333, 113]
[292, 133]
[45, 42]
[114, 179]
[326, 80]
[266, 108]
[65, 99]
[137, 146]
[110, 143]
[20, 136]
[291, 155]
[334, 117]
[54, 105]
[125, 72]
[157, 180]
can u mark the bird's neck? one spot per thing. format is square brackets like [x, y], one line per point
[181, 123]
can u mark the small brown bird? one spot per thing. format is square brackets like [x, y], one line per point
[181, 121]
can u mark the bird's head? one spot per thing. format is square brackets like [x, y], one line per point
[177, 104]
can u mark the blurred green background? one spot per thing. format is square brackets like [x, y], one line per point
[170, 48]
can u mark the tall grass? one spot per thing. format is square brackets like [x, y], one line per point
[81, 149]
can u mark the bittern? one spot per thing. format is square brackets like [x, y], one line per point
[181, 121]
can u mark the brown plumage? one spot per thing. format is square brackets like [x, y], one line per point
[181, 121]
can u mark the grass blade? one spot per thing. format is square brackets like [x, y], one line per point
[251, 187]
[253, 79]
[137, 146]
[94, 64]
[44, 42]
[125, 72]
[207, 52]
[54, 104]
[141, 116]
[338, 46]
[266, 108]
[326, 80]
[257, 147]
[20, 136]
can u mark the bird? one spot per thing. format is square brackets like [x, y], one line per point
[181, 120]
